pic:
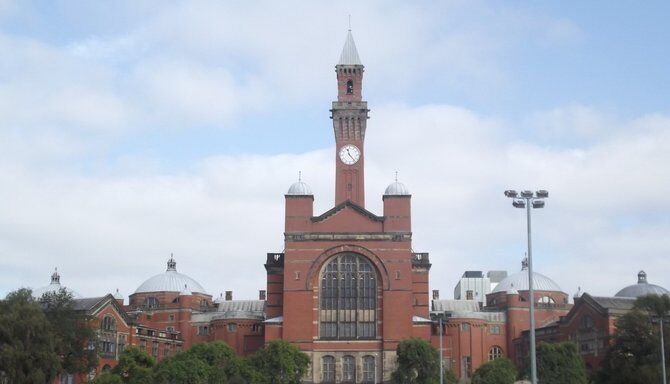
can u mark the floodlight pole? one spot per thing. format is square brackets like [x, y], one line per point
[662, 352]
[531, 293]
[528, 199]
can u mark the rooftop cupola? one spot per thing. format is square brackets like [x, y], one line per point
[171, 264]
[55, 277]
[642, 277]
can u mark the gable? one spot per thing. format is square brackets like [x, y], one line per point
[348, 217]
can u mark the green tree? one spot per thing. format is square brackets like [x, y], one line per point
[107, 378]
[214, 362]
[135, 366]
[634, 356]
[27, 347]
[450, 377]
[73, 332]
[418, 362]
[279, 363]
[560, 363]
[498, 371]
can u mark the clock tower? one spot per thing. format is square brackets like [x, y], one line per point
[349, 114]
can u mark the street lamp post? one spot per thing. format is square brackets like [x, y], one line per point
[527, 199]
[440, 317]
[661, 320]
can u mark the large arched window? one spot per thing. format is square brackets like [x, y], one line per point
[348, 298]
[348, 369]
[495, 353]
[328, 369]
[369, 369]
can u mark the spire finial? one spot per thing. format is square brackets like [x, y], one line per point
[349, 22]
[299, 176]
[396, 176]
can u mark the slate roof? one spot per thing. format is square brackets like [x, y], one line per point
[349, 54]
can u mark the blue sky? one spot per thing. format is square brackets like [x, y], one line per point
[130, 130]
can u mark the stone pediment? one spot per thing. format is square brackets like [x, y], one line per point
[343, 207]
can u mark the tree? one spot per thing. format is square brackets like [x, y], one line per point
[135, 366]
[204, 363]
[107, 378]
[498, 371]
[74, 335]
[634, 356]
[279, 363]
[27, 347]
[560, 363]
[418, 362]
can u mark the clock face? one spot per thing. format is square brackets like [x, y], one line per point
[349, 154]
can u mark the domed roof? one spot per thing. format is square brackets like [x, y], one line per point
[519, 282]
[54, 287]
[642, 288]
[170, 281]
[396, 189]
[299, 188]
[118, 295]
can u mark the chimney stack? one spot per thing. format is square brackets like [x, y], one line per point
[436, 294]
[229, 295]
[261, 294]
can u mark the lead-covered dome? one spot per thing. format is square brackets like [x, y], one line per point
[642, 288]
[170, 281]
[396, 189]
[299, 188]
[54, 287]
[519, 282]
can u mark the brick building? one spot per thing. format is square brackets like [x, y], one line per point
[348, 286]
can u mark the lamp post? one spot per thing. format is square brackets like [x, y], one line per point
[661, 320]
[440, 318]
[527, 199]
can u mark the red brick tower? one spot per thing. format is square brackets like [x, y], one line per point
[348, 286]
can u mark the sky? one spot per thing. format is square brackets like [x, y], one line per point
[133, 130]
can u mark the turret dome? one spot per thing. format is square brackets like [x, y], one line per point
[299, 188]
[396, 189]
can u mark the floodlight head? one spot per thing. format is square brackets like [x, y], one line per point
[542, 194]
[519, 203]
[526, 194]
[538, 204]
[511, 193]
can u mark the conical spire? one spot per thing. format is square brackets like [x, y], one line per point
[349, 54]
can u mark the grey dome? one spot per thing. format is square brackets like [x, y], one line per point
[519, 282]
[170, 281]
[642, 288]
[299, 188]
[54, 287]
[396, 189]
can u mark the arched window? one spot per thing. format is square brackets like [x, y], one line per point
[350, 87]
[151, 302]
[495, 353]
[108, 323]
[348, 369]
[368, 369]
[328, 369]
[348, 298]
